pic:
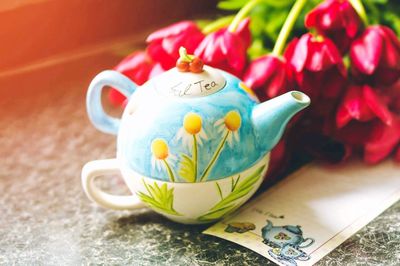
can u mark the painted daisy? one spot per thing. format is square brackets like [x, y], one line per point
[191, 132]
[160, 151]
[230, 125]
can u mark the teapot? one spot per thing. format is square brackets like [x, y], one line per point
[192, 145]
[279, 236]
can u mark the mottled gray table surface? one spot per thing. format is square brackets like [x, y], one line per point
[45, 219]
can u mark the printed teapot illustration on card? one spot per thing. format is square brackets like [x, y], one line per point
[287, 242]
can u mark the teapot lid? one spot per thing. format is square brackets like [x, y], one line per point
[188, 84]
[294, 229]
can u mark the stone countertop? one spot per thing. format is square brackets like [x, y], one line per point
[45, 138]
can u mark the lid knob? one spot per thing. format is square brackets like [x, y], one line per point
[189, 63]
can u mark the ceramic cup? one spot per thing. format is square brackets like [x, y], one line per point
[292, 252]
[190, 203]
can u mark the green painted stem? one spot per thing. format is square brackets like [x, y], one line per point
[169, 170]
[359, 7]
[287, 27]
[194, 157]
[244, 12]
[215, 157]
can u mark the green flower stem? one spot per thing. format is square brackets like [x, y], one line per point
[169, 170]
[287, 27]
[217, 24]
[194, 157]
[359, 7]
[244, 12]
[215, 157]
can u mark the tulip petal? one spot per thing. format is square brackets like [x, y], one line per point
[365, 52]
[355, 133]
[337, 20]
[137, 67]
[243, 32]
[377, 106]
[343, 116]
[156, 70]
[172, 30]
[158, 54]
[352, 20]
[300, 53]
[223, 49]
[382, 141]
[390, 58]
[353, 105]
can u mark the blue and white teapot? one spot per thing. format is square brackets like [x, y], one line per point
[280, 236]
[193, 146]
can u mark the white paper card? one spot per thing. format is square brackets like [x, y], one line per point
[309, 213]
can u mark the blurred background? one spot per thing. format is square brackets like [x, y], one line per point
[32, 30]
[51, 49]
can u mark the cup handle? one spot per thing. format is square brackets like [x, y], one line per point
[308, 244]
[97, 168]
[97, 116]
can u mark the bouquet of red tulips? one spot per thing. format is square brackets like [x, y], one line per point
[348, 67]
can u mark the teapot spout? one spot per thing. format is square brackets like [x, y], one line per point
[271, 117]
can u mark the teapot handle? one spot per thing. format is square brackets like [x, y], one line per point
[97, 116]
[95, 169]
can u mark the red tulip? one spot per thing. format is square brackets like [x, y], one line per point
[366, 122]
[225, 49]
[136, 66]
[382, 141]
[397, 155]
[164, 44]
[156, 70]
[278, 161]
[392, 96]
[318, 67]
[337, 20]
[355, 133]
[362, 103]
[375, 56]
[268, 76]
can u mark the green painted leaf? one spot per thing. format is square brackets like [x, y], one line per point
[216, 214]
[160, 198]
[187, 170]
[239, 190]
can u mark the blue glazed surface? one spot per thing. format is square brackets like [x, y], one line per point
[234, 131]
[134, 147]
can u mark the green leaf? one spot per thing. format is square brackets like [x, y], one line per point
[155, 193]
[225, 205]
[160, 198]
[187, 170]
[234, 183]
[219, 190]
[216, 214]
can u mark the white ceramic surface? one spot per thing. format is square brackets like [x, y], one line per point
[192, 203]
